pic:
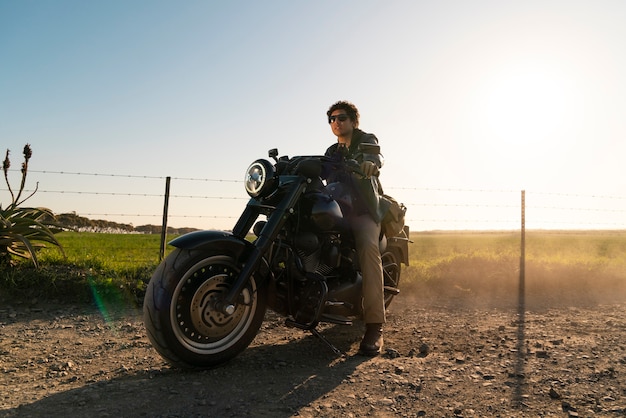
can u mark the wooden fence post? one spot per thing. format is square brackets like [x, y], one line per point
[164, 224]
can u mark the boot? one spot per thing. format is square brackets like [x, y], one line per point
[372, 342]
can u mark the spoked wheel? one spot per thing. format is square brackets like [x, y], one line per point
[391, 275]
[182, 314]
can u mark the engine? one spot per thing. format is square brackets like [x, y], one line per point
[318, 254]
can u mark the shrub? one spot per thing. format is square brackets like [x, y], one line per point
[24, 230]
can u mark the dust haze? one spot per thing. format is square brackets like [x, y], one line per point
[479, 283]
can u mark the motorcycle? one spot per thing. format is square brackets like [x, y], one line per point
[207, 299]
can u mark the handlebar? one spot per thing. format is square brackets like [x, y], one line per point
[350, 165]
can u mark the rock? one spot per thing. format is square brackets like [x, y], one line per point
[392, 353]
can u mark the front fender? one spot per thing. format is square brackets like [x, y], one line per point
[222, 242]
[213, 240]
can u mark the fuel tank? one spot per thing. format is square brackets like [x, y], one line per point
[325, 212]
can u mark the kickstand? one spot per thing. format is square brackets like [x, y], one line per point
[328, 343]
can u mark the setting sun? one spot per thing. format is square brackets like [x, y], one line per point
[527, 103]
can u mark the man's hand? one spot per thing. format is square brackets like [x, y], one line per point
[369, 169]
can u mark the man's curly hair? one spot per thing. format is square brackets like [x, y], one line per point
[351, 111]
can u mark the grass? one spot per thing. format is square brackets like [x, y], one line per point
[591, 249]
[94, 266]
[465, 268]
[110, 251]
[483, 269]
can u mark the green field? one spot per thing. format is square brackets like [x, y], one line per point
[109, 251]
[477, 267]
[117, 251]
[90, 266]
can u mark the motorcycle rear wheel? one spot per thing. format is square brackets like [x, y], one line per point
[391, 274]
[180, 310]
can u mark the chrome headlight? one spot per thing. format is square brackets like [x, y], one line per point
[259, 180]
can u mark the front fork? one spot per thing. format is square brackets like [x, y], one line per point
[265, 239]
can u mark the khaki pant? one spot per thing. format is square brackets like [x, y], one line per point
[366, 232]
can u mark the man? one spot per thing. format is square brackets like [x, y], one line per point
[364, 218]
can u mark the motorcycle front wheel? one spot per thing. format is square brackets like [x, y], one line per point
[181, 312]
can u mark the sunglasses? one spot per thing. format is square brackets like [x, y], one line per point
[341, 118]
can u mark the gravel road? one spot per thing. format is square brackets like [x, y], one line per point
[442, 359]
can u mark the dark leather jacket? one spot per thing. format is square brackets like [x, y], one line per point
[365, 193]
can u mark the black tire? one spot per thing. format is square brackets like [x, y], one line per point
[391, 274]
[179, 314]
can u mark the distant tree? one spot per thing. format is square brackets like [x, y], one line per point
[156, 229]
[24, 230]
[80, 223]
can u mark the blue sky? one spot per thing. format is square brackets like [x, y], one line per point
[483, 95]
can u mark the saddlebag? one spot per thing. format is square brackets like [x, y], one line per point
[393, 222]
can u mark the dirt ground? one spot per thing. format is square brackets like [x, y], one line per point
[444, 357]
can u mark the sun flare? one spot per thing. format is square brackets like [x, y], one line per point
[527, 105]
[527, 112]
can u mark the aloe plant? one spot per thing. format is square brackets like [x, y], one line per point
[24, 230]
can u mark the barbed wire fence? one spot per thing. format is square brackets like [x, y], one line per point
[214, 203]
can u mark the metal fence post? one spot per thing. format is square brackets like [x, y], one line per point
[164, 224]
[521, 310]
[522, 266]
